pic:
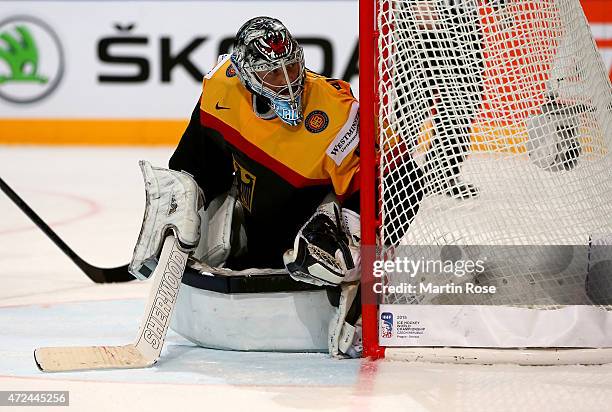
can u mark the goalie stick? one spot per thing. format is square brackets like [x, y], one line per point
[98, 275]
[153, 328]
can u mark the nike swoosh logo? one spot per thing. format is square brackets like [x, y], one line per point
[221, 107]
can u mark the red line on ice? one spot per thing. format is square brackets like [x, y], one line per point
[92, 209]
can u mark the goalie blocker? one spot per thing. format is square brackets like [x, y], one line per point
[172, 202]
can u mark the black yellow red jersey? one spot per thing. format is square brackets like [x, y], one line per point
[282, 172]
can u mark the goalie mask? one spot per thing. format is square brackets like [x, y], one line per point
[270, 63]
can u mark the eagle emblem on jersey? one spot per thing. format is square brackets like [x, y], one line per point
[246, 185]
[316, 121]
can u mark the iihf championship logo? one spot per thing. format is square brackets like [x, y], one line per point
[386, 325]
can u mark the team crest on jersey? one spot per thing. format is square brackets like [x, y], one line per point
[316, 121]
[246, 186]
[230, 71]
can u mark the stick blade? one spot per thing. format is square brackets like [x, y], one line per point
[106, 275]
[63, 359]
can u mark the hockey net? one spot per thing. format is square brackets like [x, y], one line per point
[492, 126]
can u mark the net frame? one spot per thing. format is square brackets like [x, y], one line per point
[371, 221]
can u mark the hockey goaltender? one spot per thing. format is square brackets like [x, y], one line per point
[265, 177]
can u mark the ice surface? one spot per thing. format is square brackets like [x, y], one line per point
[94, 199]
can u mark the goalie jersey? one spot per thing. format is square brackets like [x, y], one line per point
[281, 172]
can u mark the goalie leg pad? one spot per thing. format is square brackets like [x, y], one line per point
[172, 202]
[345, 327]
[220, 231]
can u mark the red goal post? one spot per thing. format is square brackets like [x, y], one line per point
[369, 216]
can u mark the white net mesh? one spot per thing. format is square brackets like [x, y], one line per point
[495, 128]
